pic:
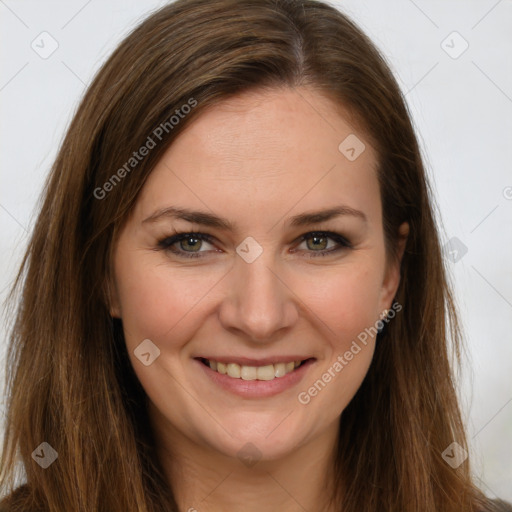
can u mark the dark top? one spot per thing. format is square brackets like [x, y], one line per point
[8, 503]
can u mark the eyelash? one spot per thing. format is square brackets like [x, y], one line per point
[167, 242]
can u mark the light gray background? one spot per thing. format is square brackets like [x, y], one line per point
[462, 108]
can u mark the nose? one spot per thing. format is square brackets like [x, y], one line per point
[259, 305]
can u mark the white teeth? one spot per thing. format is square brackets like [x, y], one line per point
[248, 372]
[234, 370]
[279, 369]
[267, 372]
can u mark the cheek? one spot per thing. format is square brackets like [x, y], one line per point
[158, 299]
[345, 299]
[346, 305]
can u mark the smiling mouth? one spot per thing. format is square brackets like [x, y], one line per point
[267, 372]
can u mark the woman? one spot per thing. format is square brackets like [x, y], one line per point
[234, 296]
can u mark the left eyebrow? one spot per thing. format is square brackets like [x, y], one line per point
[208, 219]
[305, 219]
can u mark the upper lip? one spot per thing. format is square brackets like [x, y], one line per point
[248, 361]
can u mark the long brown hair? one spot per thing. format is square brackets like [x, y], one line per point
[69, 380]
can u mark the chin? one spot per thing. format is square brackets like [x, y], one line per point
[253, 437]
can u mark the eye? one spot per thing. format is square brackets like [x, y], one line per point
[317, 243]
[185, 241]
[188, 245]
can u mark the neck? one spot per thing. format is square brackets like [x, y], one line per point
[204, 480]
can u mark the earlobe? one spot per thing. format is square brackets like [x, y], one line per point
[111, 299]
[114, 312]
[403, 234]
[392, 279]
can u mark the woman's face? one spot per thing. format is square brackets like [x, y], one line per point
[252, 297]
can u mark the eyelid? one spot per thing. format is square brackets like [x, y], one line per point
[167, 242]
[337, 237]
[342, 243]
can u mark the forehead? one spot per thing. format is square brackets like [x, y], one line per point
[264, 152]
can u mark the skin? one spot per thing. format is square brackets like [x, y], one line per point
[257, 160]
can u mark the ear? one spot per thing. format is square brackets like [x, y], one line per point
[392, 275]
[111, 297]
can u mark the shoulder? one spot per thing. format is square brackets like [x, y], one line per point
[496, 506]
[18, 501]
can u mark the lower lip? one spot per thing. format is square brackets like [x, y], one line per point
[256, 388]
